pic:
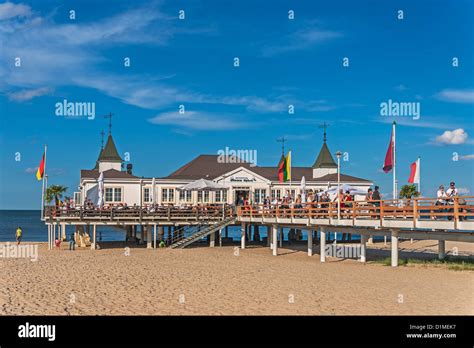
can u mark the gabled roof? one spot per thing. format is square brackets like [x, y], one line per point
[208, 167]
[109, 153]
[324, 159]
[96, 167]
[108, 174]
[205, 167]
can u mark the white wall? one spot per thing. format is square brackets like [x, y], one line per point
[103, 166]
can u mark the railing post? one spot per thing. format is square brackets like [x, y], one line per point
[354, 207]
[381, 212]
[456, 212]
[415, 211]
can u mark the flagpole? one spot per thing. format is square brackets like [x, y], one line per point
[419, 175]
[43, 188]
[394, 163]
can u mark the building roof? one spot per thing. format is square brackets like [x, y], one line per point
[109, 153]
[108, 174]
[324, 159]
[96, 167]
[208, 167]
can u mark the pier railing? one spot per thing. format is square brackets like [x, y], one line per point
[417, 209]
[138, 213]
[457, 210]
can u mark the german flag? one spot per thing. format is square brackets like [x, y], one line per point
[40, 171]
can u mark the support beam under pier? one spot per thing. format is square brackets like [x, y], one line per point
[212, 240]
[363, 248]
[94, 233]
[322, 245]
[394, 248]
[148, 237]
[242, 235]
[310, 242]
[275, 240]
[441, 249]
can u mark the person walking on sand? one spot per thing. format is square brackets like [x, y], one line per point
[72, 242]
[19, 234]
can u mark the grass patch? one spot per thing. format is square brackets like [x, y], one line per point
[453, 263]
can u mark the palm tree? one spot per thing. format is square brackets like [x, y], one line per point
[55, 192]
[409, 191]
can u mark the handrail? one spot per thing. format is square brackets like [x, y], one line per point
[415, 209]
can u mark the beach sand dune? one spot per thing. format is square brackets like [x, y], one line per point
[205, 281]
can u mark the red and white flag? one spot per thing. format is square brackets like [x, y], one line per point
[389, 157]
[415, 172]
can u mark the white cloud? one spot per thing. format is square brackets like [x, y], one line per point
[401, 88]
[196, 120]
[457, 95]
[300, 40]
[455, 137]
[76, 51]
[426, 121]
[10, 10]
[28, 94]
[31, 170]
[467, 157]
[463, 190]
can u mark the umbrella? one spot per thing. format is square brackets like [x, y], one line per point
[303, 189]
[303, 184]
[346, 187]
[202, 185]
[100, 182]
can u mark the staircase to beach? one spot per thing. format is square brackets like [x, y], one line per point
[201, 233]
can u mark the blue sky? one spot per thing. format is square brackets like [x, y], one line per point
[190, 62]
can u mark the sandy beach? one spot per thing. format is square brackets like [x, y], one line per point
[205, 281]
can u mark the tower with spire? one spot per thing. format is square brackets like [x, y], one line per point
[109, 157]
[324, 163]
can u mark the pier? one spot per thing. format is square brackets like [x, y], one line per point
[418, 218]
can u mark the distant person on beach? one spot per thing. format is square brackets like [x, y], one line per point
[19, 234]
[72, 242]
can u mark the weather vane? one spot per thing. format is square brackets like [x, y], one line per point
[282, 141]
[324, 126]
[109, 116]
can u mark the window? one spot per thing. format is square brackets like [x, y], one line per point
[203, 196]
[77, 198]
[117, 194]
[276, 194]
[113, 194]
[260, 195]
[221, 196]
[109, 194]
[146, 194]
[185, 196]
[167, 195]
